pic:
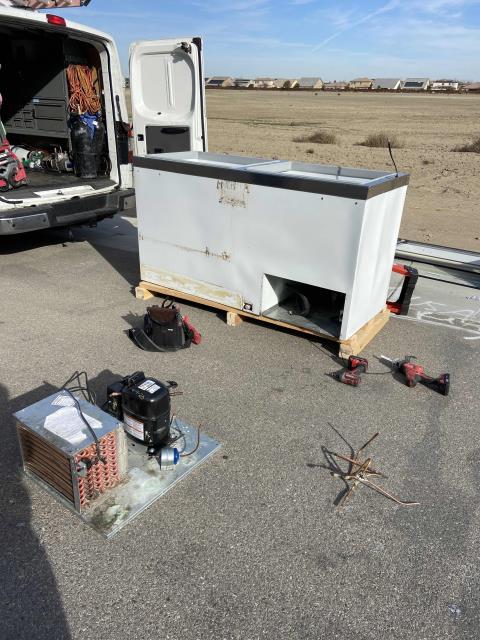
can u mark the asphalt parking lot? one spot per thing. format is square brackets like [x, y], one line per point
[251, 544]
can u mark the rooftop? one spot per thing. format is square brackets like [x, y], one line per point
[309, 81]
[217, 80]
[386, 83]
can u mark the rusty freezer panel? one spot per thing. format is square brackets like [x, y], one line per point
[188, 245]
[194, 287]
[188, 233]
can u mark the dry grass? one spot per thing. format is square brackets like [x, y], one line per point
[320, 137]
[380, 140]
[472, 147]
[427, 126]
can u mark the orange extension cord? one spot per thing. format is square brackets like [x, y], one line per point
[81, 83]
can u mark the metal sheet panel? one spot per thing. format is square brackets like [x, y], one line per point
[145, 483]
[35, 415]
[375, 257]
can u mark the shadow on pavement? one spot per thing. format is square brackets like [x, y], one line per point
[34, 240]
[30, 604]
[114, 239]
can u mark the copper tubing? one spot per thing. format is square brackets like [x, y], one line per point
[32, 442]
[60, 484]
[52, 466]
[100, 476]
[82, 492]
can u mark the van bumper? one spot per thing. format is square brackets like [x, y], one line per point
[64, 214]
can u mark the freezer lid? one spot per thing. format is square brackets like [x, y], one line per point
[167, 93]
[44, 4]
[345, 182]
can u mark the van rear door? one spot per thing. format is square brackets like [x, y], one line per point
[168, 99]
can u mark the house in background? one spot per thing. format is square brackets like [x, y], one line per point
[279, 83]
[336, 86]
[264, 83]
[310, 83]
[447, 86]
[361, 84]
[244, 83]
[472, 87]
[416, 84]
[291, 84]
[219, 82]
[387, 84]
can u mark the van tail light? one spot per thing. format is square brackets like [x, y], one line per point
[58, 21]
[130, 144]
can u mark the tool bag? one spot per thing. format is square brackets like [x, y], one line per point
[164, 329]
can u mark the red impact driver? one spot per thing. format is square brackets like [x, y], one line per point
[355, 367]
[416, 373]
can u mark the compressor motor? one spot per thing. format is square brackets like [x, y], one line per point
[143, 405]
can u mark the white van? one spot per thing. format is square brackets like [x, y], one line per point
[168, 104]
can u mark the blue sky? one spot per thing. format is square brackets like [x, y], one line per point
[289, 38]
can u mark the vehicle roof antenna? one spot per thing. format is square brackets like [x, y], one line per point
[391, 156]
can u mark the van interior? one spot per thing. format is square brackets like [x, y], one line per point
[39, 107]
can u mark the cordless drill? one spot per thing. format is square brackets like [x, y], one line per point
[355, 367]
[414, 373]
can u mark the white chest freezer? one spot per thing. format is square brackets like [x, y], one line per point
[308, 244]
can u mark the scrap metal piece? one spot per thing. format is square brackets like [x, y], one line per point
[359, 472]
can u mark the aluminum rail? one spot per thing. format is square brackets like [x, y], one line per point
[437, 255]
[444, 264]
[448, 289]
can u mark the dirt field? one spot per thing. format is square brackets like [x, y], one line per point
[443, 201]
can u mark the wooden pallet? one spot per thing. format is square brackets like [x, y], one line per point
[353, 346]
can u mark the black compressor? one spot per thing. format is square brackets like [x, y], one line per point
[143, 405]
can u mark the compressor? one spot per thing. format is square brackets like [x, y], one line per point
[143, 405]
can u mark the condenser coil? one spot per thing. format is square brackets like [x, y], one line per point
[61, 453]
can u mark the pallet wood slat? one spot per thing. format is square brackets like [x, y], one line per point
[357, 343]
[234, 319]
[143, 294]
[353, 346]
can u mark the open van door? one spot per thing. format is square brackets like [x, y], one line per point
[168, 99]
